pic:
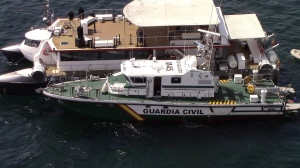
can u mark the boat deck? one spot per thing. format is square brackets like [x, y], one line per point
[105, 30]
[126, 32]
[229, 93]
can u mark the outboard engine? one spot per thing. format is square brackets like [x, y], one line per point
[272, 56]
[38, 71]
[265, 68]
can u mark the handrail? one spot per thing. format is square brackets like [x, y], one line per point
[95, 93]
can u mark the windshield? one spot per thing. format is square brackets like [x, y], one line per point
[32, 43]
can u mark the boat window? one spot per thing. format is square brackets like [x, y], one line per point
[65, 56]
[138, 79]
[140, 54]
[103, 55]
[113, 55]
[64, 43]
[85, 56]
[32, 43]
[79, 56]
[176, 80]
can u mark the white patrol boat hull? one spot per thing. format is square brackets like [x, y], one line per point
[170, 111]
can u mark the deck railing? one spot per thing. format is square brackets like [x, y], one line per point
[88, 92]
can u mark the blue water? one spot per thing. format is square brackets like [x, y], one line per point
[35, 132]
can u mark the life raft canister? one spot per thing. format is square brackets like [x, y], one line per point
[45, 52]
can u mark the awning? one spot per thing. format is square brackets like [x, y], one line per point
[150, 13]
[244, 26]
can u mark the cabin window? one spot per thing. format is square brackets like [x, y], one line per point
[176, 80]
[79, 56]
[64, 43]
[65, 56]
[103, 55]
[140, 54]
[113, 55]
[32, 43]
[138, 79]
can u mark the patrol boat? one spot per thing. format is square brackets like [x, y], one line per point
[99, 42]
[185, 89]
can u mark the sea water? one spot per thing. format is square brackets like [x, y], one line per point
[36, 132]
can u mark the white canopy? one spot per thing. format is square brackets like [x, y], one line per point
[38, 34]
[150, 13]
[244, 26]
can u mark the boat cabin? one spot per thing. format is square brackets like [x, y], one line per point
[167, 78]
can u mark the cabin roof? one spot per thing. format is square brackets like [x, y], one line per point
[38, 34]
[150, 13]
[158, 67]
[244, 26]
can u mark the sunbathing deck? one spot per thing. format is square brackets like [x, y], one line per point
[126, 32]
[105, 30]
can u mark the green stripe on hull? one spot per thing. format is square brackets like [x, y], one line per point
[95, 110]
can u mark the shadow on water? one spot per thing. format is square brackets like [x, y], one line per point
[35, 132]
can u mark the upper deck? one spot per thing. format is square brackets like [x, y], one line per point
[105, 30]
[154, 26]
[122, 34]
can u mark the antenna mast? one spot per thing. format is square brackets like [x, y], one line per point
[47, 18]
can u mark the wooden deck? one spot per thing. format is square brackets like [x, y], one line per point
[107, 30]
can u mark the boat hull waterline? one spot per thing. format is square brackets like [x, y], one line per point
[122, 110]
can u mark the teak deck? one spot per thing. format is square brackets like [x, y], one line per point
[107, 30]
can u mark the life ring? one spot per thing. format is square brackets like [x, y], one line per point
[45, 52]
[250, 89]
[261, 50]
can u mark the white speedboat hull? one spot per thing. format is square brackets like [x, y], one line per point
[13, 53]
[295, 53]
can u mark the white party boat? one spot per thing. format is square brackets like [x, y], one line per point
[99, 42]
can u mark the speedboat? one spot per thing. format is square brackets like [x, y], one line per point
[13, 53]
[295, 53]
